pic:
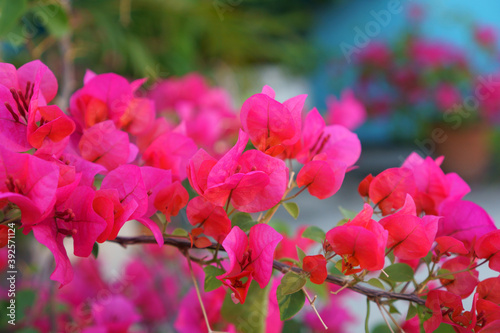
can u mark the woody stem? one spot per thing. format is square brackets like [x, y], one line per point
[284, 268]
[311, 301]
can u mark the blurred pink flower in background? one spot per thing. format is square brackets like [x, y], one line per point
[485, 35]
[447, 95]
[346, 111]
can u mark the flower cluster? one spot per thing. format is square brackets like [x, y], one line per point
[116, 157]
[427, 80]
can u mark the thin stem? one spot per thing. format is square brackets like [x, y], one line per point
[393, 320]
[460, 271]
[367, 326]
[311, 301]
[296, 194]
[186, 254]
[383, 316]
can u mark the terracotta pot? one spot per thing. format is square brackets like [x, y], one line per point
[467, 150]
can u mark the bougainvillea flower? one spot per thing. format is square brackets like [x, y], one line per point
[4, 237]
[170, 151]
[335, 141]
[24, 78]
[446, 96]
[190, 318]
[133, 200]
[76, 218]
[271, 125]
[155, 179]
[150, 284]
[30, 183]
[249, 258]
[361, 242]
[389, 188]
[488, 246]
[411, 325]
[323, 177]
[486, 35]
[488, 316]
[169, 94]
[447, 308]
[489, 289]
[463, 283]
[106, 145]
[171, 199]
[205, 112]
[492, 327]
[287, 248]
[251, 181]
[86, 284]
[69, 178]
[433, 186]
[107, 204]
[348, 111]
[316, 267]
[31, 82]
[211, 218]
[465, 221]
[48, 124]
[364, 186]
[112, 314]
[111, 97]
[447, 245]
[410, 237]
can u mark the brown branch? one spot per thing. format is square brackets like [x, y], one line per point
[372, 294]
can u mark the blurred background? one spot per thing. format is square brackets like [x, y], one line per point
[426, 72]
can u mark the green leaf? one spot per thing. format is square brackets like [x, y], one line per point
[393, 309]
[381, 328]
[10, 12]
[338, 265]
[342, 222]
[211, 281]
[293, 326]
[391, 257]
[444, 328]
[446, 274]
[347, 214]
[288, 260]
[292, 208]
[412, 312]
[95, 250]
[428, 258]
[180, 232]
[398, 272]
[290, 304]
[251, 316]
[336, 271]
[314, 233]
[301, 254]
[291, 283]
[243, 220]
[376, 283]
